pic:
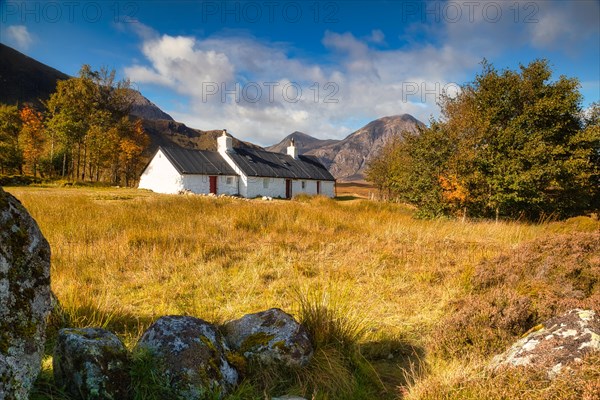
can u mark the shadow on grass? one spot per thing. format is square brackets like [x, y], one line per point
[397, 363]
[125, 325]
[346, 198]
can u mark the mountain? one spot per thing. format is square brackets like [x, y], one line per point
[25, 80]
[302, 141]
[347, 159]
[143, 108]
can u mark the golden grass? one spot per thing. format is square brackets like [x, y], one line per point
[123, 257]
[360, 189]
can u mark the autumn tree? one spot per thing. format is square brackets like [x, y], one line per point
[32, 138]
[131, 148]
[89, 119]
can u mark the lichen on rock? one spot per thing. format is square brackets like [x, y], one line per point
[191, 354]
[91, 363]
[24, 297]
[270, 337]
[555, 344]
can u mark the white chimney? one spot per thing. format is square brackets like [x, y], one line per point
[292, 150]
[224, 142]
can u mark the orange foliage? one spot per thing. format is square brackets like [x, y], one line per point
[453, 190]
[132, 148]
[32, 137]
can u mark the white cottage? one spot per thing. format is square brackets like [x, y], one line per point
[236, 171]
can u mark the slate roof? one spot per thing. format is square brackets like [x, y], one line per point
[252, 162]
[202, 162]
[255, 162]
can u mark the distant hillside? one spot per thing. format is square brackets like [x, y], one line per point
[348, 158]
[302, 141]
[25, 80]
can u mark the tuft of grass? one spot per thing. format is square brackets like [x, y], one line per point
[146, 381]
[329, 321]
[44, 388]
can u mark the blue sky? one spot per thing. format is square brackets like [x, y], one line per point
[263, 69]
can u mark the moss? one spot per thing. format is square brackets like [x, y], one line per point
[281, 346]
[255, 340]
[534, 329]
[208, 343]
[237, 360]
[4, 342]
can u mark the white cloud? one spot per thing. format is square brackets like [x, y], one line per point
[377, 36]
[361, 80]
[180, 65]
[260, 93]
[18, 36]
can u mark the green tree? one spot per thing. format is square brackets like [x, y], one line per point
[408, 169]
[11, 155]
[511, 144]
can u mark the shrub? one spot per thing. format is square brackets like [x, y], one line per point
[515, 291]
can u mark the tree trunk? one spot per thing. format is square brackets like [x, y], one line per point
[78, 159]
[84, 160]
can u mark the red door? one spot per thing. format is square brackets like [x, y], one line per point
[213, 184]
[288, 188]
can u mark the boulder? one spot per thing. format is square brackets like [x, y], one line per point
[24, 298]
[190, 353]
[91, 363]
[555, 343]
[270, 337]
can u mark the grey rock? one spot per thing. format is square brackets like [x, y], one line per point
[24, 298]
[91, 363]
[270, 337]
[555, 344]
[192, 354]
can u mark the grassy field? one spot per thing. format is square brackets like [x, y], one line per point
[400, 291]
[361, 189]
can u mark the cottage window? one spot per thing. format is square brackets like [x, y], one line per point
[303, 184]
[265, 183]
[229, 180]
